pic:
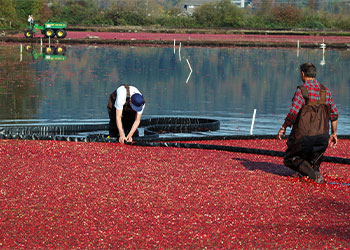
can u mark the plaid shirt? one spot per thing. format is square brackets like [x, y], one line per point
[313, 87]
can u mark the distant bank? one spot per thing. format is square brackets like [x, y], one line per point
[196, 37]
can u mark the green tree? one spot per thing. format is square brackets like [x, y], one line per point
[221, 14]
[288, 15]
[8, 14]
[76, 12]
[207, 15]
[130, 13]
[29, 7]
[230, 15]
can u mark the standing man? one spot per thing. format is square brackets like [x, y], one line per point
[312, 109]
[31, 20]
[125, 107]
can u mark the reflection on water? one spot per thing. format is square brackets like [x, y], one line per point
[225, 84]
[51, 52]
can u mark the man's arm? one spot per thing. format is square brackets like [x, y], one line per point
[120, 125]
[297, 103]
[134, 127]
[333, 139]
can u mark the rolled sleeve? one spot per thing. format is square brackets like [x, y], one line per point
[334, 111]
[297, 103]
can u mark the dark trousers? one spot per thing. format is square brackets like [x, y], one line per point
[304, 156]
[128, 119]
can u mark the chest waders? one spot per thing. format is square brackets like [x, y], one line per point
[308, 139]
[128, 115]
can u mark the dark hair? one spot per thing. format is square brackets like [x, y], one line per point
[308, 69]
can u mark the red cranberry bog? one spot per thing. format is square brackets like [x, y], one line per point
[56, 194]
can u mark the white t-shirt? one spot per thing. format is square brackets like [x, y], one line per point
[121, 97]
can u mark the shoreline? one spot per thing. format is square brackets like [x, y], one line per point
[196, 38]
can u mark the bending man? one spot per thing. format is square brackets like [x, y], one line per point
[125, 107]
[312, 109]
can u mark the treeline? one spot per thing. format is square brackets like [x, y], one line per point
[221, 14]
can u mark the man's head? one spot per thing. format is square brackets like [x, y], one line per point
[307, 70]
[137, 102]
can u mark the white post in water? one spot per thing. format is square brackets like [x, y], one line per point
[323, 47]
[41, 45]
[180, 52]
[253, 120]
[298, 46]
[20, 55]
[174, 47]
[189, 75]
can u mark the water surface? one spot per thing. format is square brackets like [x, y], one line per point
[226, 83]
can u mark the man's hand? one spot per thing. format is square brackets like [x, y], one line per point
[333, 140]
[281, 133]
[122, 138]
[128, 138]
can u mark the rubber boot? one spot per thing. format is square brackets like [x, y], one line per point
[319, 178]
[306, 169]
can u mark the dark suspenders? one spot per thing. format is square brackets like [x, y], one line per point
[305, 94]
[127, 90]
[113, 97]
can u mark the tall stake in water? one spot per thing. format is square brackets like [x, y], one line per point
[180, 52]
[253, 121]
[20, 51]
[298, 46]
[189, 65]
[323, 47]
